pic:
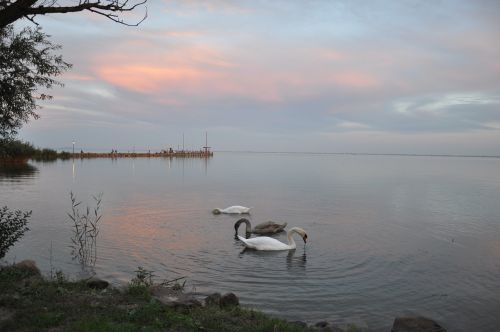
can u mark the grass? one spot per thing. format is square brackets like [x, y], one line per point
[29, 302]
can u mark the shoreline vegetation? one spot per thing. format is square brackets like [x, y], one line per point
[19, 152]
[31, 302]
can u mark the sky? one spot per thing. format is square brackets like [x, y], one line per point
[417, 77]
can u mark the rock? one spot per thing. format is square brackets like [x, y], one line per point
[213, 299]
[96, 283]
[174, 299]
[321, 324]
[416, 324]
[229, 300]
[185, 302]
[29, 266]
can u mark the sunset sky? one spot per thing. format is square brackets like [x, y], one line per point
[320, 76]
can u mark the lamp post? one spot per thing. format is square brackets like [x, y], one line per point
[73, 148]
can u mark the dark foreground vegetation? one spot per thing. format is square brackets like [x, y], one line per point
[19, 151]
[29, 302]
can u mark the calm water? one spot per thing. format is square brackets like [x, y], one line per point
[388, 235]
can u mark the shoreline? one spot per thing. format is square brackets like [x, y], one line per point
[30, 301]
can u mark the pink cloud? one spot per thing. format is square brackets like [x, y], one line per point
[355, 80]
[151, 79]
[209, 72]
[192, 70]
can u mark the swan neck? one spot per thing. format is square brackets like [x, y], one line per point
[248, 227]
[291, 241]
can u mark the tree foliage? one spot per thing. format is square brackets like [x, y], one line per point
[27, 62]
[12, 227]
[13, 10]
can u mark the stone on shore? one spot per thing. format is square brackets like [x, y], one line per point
[416, 324]
[174, 299]
[96, 283]
[29, 266]
[229, 300]
[213, 299]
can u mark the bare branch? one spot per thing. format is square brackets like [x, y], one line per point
[12, 10]
[32, 19]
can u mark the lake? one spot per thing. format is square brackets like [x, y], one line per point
[387, 235]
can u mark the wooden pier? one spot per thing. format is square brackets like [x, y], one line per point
[162, 154]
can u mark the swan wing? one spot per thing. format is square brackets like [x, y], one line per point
[230, 209]
[269, 227]
[264, 243]
[245, 209]
[265, 225]
[236, 209]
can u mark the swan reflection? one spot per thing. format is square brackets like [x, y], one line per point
[260, 253]
[294, 261]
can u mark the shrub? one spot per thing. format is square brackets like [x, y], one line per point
[15, 149]
[45, 154]
[12, 227]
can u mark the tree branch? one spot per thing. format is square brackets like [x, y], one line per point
[12, 10]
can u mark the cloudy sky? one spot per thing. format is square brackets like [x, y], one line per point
[318, 76]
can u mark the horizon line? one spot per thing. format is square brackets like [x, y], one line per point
[323, 153]
[364, 153]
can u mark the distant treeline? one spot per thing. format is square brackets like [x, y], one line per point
[19, 151]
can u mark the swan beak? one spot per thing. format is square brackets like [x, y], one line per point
[304, 238]
[216, 211]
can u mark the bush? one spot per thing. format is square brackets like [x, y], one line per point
[45, 154]
[15, 149]
[65, 155]
[12, 227]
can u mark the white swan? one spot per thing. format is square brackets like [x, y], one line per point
[236, 209]
[268, 243]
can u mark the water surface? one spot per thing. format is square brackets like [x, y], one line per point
[388, 235]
